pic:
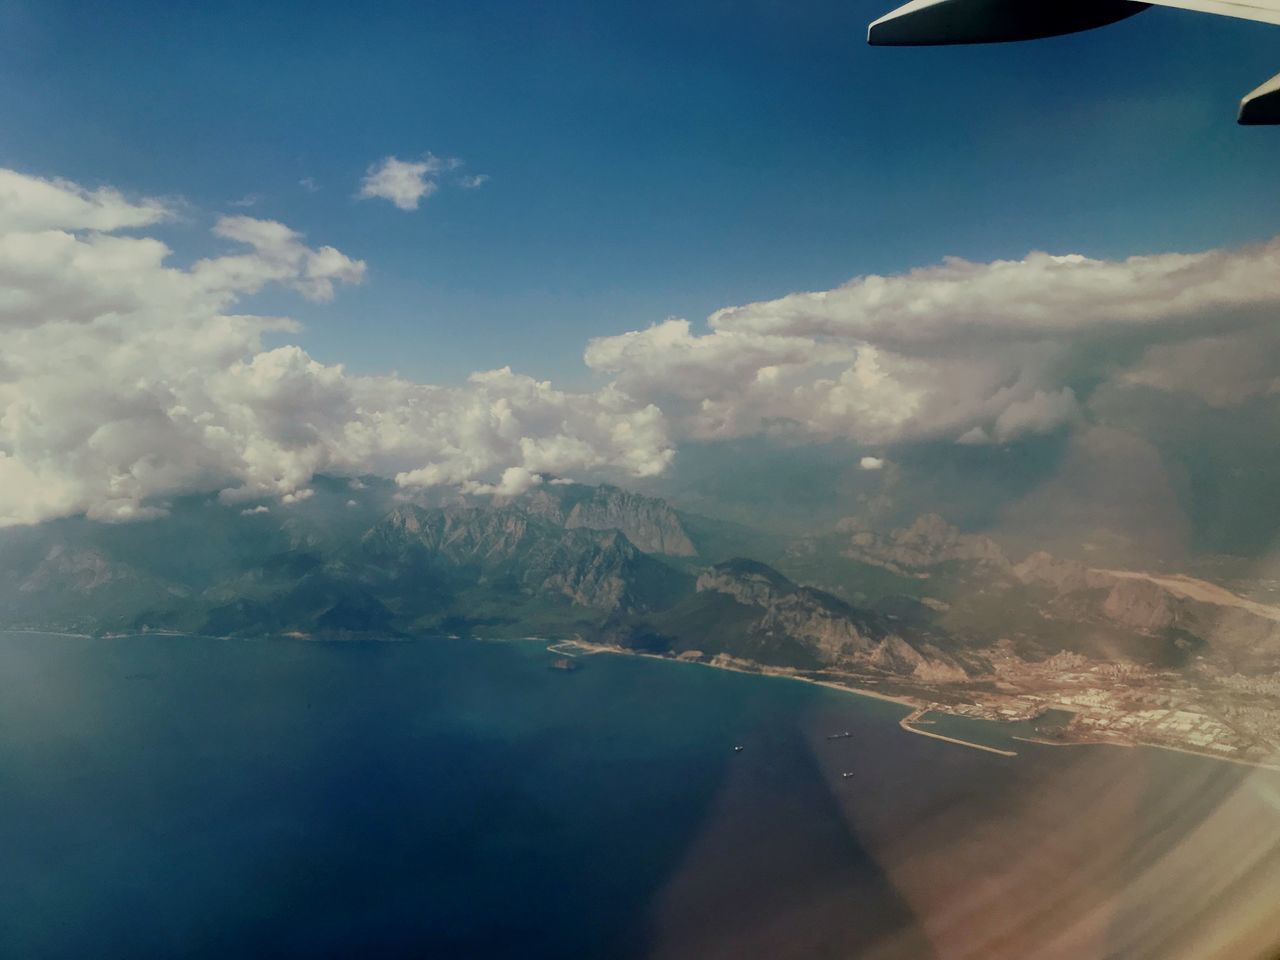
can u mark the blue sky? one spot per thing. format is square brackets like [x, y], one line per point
[646, 160]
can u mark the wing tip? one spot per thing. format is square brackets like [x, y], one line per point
[1261, 107]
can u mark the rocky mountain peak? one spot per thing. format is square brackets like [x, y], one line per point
[77, 569]
[539, 502]
[647, 522]
[928, 542]
[835, 631]
[1064, 576]
[748, 581]
[929, 530]
[406, 519]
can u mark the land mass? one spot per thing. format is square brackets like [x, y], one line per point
[927, 614]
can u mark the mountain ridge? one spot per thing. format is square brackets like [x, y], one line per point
[563, 559]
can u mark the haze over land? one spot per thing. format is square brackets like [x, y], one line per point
[634, 480]
[969, 482]
[924, 612]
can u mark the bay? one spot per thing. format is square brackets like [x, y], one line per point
[176, 796]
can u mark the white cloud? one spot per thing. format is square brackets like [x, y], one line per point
[406, 183]
[1036, 298]
[255, 511]
[1042, 412]
[514, 481]
[500, 420]
[871, 463]
[1223, 370]
[125, 380]
[30, 204]
[279, 256]
[973, 352]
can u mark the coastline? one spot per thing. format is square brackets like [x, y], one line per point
[1256, 764]
[50, 633]
[579, 647]
[906, 724]
[576, 646]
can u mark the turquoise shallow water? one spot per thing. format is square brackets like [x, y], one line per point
[166, 796]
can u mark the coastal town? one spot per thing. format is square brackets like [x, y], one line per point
[1066, 700]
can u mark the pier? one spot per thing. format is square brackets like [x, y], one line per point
[906, 724]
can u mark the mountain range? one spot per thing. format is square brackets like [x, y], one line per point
[923, 603]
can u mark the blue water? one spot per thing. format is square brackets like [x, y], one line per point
[181, 797]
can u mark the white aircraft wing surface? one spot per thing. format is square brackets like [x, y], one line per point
[1265, 11]
[931, 22]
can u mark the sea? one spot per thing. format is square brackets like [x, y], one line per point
[183, 797]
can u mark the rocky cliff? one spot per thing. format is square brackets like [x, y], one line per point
[647, 522]
[567, 558]
[930, 541]
[76, 570]
[838, 633]
[818, 620]
[601, 569]
[1227, 630]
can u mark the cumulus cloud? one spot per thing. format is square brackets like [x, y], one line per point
[503, 420]
[974, 352]
[1223, 371]
[1041, 412]
[406, 183]
[29, 204]
[126, 380]
[514, 481]
[279, 256]
[1036, 298]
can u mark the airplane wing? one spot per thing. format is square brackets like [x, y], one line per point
[931, 22]
[1264, 11]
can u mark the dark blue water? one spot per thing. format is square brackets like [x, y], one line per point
[179, 797]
